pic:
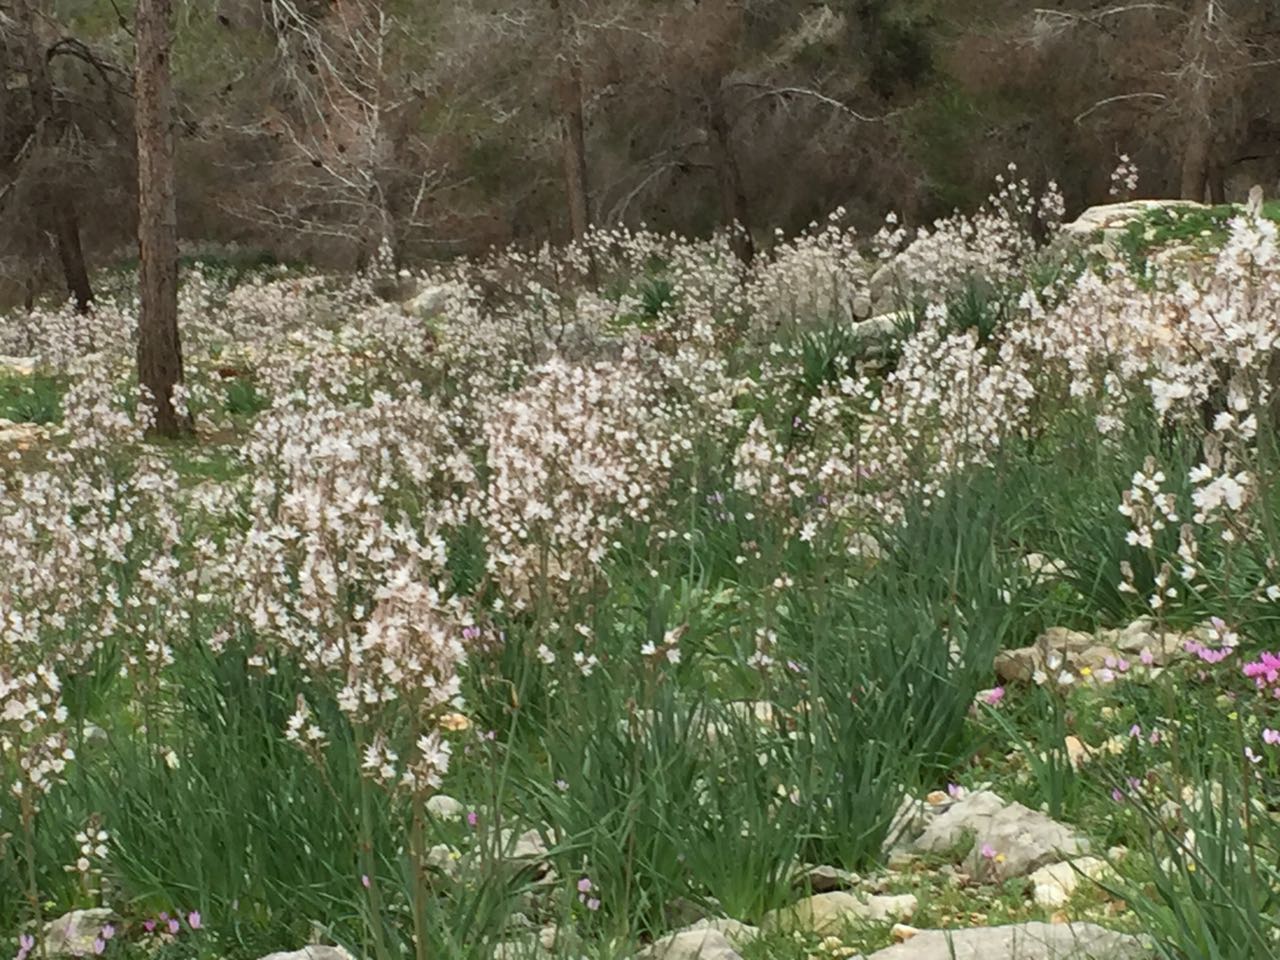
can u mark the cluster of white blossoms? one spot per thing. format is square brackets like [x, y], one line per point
[570, 457]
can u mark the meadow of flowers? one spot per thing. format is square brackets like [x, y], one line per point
[597, 591]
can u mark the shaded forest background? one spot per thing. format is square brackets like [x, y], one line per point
[316, 129]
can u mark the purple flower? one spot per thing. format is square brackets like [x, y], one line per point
[472, 818]
[988, 852]
[1135, 731]
[1270, 736]
[193, 920]
[174, 926]
[108, 932]
[593, 904]
[99, 945]
[364, 880]
[584, 885]
[994, 697]
[149, 926]
[1116, 795]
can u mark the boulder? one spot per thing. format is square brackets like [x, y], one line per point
[1113, 218]
[831, 913]
[1022, 941]
[312, 953]
[1009, 840]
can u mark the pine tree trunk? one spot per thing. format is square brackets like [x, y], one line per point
[56, 210]
[159, 350]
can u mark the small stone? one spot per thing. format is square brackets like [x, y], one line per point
[824, 879]
[737, 933]
[1054, 885]
[830, 913]
[1077, 752]
[312, 953]
[445, 807]
[702, 944]
[902, 932]
[73, 934]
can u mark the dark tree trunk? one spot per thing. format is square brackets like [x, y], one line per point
[1217, 183]
[159, 350]
[572, 128]
[1195, 164]
[56, 211]
[733, 195]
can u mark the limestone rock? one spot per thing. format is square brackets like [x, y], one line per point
[445, 807]
[701, 944]
[828, 913]
[72, 934]
[737, 933]
[1053, 885]
[17, 366]
[1117, 216]
[1024, 941]
[824, 879]
[1017, 838]
[427, 302]
[21, 435]
[1101, 655]
[312, 953]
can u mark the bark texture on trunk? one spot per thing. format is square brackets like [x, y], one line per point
[159, 350]
[56, 211]
[572, 128]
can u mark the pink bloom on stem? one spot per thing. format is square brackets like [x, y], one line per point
[1264, 671]
[1135, 731]
[108, 932]
[148, 925]
[472, 818]
[174, 926]
[988, 852]
[193, 920]
[1116, 795]
[364, 880]
[1147, 657]
[953, 789]
[99, 945]
[994, 696]
[593, 904]
[584, 885]
[1270, 736]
